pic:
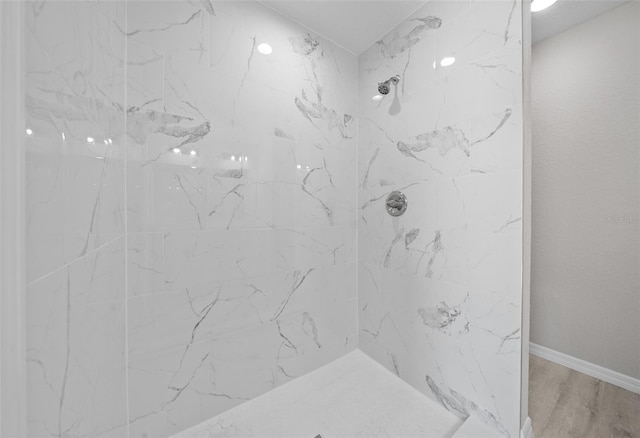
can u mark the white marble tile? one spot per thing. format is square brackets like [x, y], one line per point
[75, 118]
[487, 85]
[255, 295]
[243, 203]
[282, 183]
[75, 251]
[352, 396]
[196, 380]
[311, 331]
[253, 282]
[486, 26]
[229, 44]
[465, 30]
[301, 365]
[285, 68]
[457, 345]
[369, 292]
[167, 197]
[497, 145]
[242, 207]
[163, 320]
[75, 203]
[145, 77]
[418, 141]
[485, 202]
[201, 258]
[164, 139]
[171, 26]
[439, 289]
[301, 63]
[94, 201]
[192, 89]
[485, 260]
[408, 243]
[153, 385]
[44, 194]
[76, 347]
[83, 48]
[393, 53]
[474, 247]
[145, 263]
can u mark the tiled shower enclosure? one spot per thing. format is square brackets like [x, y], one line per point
[205, 222]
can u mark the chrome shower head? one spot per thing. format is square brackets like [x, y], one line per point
[385, 87]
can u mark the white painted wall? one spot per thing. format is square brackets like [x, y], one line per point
[585, 295]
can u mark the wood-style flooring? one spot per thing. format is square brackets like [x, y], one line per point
[564, 403]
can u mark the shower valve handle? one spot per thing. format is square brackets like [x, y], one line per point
[396, 203]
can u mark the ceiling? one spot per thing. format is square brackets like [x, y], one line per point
[352, 24]
[566, 14]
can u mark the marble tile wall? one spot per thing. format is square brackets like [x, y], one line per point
[75, 228]
[216, 255]
[241, 202]
[440, 287]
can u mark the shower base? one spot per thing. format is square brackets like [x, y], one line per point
[353, 396]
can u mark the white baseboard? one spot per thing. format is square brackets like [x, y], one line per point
[527, 430]
[588, 368]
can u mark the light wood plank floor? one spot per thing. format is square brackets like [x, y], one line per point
[564, 403]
